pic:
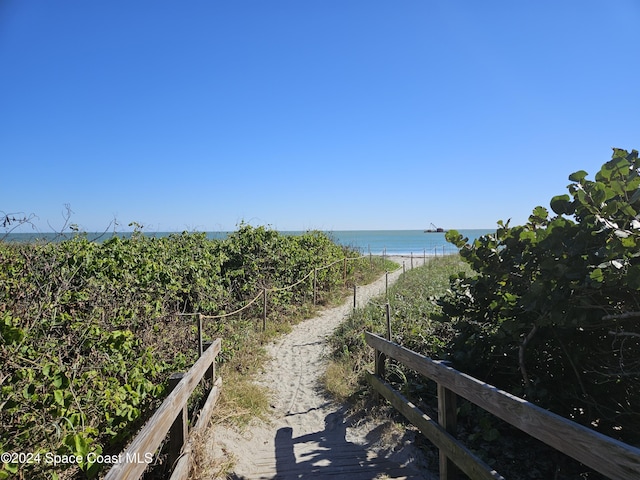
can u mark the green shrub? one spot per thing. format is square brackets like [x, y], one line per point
[552, 312]
[90, 331]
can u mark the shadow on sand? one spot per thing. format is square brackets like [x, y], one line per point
[328, 454]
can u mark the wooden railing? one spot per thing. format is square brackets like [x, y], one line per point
[603, 454]
[172, 418]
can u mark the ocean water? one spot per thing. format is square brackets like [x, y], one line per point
[376, 242]
[401, 242]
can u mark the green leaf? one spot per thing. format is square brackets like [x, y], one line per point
[58, 396]
[77, 443]
[597, 275]
[453, 236]
[578, 176]
[628, 242]
[540, 212]
[10, 334]
[562, 205]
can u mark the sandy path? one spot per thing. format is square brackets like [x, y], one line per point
[309, 435]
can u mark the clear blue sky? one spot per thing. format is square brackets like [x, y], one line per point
[327, 114]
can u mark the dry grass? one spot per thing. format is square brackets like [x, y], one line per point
[203, 467]
[340, 380]
[240, 402]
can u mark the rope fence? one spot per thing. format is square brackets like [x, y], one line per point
[266, 291]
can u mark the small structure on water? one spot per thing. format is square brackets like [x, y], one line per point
[435, 229]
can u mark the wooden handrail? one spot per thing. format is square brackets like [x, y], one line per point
[472, 465]
[155, 430]
[599, 452]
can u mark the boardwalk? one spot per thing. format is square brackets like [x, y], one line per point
[309, 436]
[324, 454]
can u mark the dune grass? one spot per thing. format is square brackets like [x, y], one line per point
[416, 322]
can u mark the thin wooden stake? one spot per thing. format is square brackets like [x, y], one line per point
[264, 311]
[344, 275]
[355, 288]
[386, 284]
[388, 307]
[199, 335]
[315, 286]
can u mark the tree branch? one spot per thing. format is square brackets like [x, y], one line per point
[624, 334]
[621, 316]
[523, 345]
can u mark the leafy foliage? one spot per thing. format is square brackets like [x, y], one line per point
[416, 319]
[90, 331]
[549, 314]
[419, 324]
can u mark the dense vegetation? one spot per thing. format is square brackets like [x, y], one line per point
[418, 322]
[90, 331]
[547, 310]
[552, 313]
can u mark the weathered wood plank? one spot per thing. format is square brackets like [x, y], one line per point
[469, 463]
[179, 431]
[604, 454]
[155, 430]
[182, 468]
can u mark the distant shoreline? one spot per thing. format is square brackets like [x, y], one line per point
[375, 242]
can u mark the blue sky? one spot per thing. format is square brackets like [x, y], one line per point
[315, 114]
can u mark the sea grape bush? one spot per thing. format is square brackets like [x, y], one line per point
[89, 331]
[551, 312]
[258, 258]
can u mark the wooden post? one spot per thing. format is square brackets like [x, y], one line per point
[424, 256]
[380, 360]
[388, 307]
[179, 429]
[378, 369]
[403, 267]
[344, 275]
[447, 419]
[264, 311]
[315, 286]
[210, 375]
[199, 335]
[386, 284]
[411, 260]
[355, 288]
